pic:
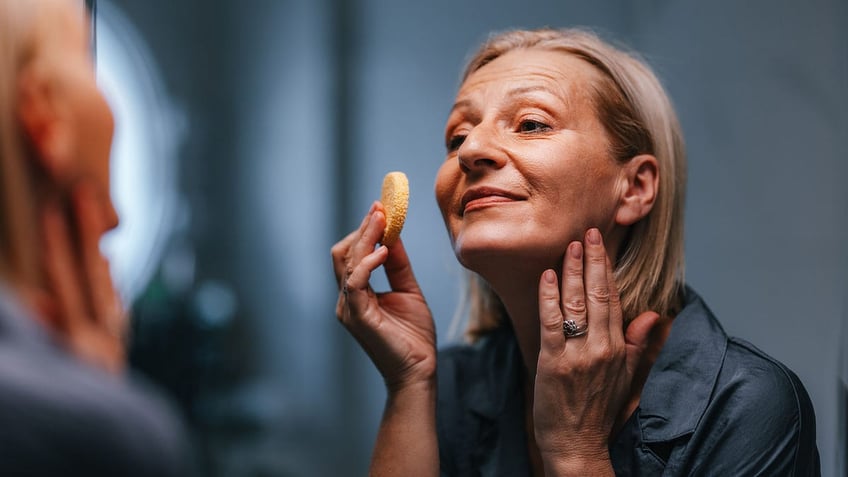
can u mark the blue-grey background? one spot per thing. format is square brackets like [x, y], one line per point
[293, 110]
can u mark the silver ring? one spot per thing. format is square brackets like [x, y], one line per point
[571, 330]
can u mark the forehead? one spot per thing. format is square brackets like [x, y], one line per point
[557, 72]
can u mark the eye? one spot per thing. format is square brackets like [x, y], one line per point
[529, 126]
[454, 142]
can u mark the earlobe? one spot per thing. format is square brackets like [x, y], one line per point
[39, 115]
[640, 183]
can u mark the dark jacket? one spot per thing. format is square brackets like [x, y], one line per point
[712, 405]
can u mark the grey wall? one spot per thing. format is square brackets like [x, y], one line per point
[296, 109]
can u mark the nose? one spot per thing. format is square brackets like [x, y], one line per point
[481, 150]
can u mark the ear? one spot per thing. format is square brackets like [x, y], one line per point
[639, 185]
[44, 120]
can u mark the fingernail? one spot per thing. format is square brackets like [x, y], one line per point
[576, 250]
[594, 237]
[373, 218]
[373, 208]
[549, 276]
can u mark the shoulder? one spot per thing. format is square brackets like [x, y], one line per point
[58, 411]
[760, 417]
[717, 405]
[763, 390]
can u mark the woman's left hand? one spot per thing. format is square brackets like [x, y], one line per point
[583, 382]
[83, 307]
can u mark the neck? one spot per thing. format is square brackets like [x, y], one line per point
[519, 292]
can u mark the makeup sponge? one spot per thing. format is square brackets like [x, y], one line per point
[395, 200]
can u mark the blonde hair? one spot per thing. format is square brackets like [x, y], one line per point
[23, 35]
[639, 118]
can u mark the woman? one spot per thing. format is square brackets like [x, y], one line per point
[64, 405]
[562, 193]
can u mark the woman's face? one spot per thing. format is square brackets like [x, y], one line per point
[85, 108]
[528, 167]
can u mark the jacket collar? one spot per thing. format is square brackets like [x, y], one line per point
[497, 374]
[674, 397]
[681, 381]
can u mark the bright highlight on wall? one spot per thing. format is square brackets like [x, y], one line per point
[144, 163]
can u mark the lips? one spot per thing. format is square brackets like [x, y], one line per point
[479, 197]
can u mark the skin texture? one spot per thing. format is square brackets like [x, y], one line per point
[69, 128]
[535, 204]
[522, 126]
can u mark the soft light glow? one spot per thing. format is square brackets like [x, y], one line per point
[147, 133]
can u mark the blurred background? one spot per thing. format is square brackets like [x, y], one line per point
[253, 134]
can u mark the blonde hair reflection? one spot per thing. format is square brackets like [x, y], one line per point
[28, 39]
[17, 187]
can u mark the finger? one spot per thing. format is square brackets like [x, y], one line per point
[104, 301]
[573, 290]
[341, 253]
[365, 243]
[637, 338]
[61, 271]
[550, 315]
[357, 292]
[616, 325]
[399, 270]
[597, 288]
[341, 249]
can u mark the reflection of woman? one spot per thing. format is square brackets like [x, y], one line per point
[64, 407]
[563, 192]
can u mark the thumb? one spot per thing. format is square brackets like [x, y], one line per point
[399, 270]
[637, 337]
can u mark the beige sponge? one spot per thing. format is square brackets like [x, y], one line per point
[395, 199]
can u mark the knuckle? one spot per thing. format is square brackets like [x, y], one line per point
[550, 296]
[599, 294]
[607, 353]
[604, 353]
[338, 250]
[576, 306]
[348, 286]
[574, 271]
[597, 258]
[614, 296]
[552, 324]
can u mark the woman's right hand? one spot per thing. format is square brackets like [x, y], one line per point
[395, 328]
[81, 304]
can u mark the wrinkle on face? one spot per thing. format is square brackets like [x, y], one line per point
[567, 172]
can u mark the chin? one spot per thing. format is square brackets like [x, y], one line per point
[500, 249]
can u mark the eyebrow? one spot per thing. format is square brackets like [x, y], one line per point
[528, 89]
[460, 104]
[517, 91]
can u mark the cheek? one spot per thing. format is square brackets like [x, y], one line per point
[447, 181]
[575, 195]
[108, 120]
[102, 127]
